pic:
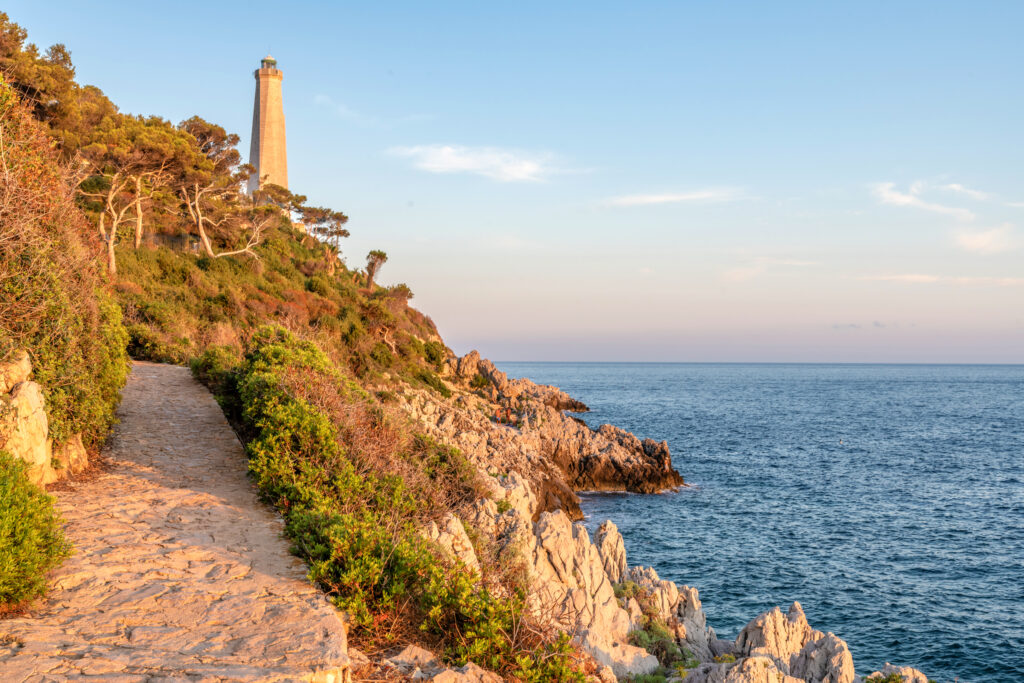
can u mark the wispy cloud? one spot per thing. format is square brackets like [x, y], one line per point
[712, 194]
[972, 193]
[760, 265]
[504, 165]
[920, 278]
[888, 194]
[992, 241]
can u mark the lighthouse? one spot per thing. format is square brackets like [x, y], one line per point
[267, 152]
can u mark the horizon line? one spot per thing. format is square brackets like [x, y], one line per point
[766, 362]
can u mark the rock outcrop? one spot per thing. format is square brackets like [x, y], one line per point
[756, 669]
[24, 427]
[795, 648]
[506, 425]
[454, 540]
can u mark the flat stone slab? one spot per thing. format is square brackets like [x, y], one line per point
[178, 572]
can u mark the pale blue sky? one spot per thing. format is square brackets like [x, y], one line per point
[633, 181]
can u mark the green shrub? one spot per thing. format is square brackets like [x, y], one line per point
[479, 381]
[657, 639]
[358, 528]
[381, 354]
[434, 382]
[319, 284]
[725, 659]
[626, 590]
[31, 539]
[217, 368]
[435, 352]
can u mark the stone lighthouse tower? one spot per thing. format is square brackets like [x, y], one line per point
[267, 151]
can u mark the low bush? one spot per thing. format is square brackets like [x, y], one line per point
[434, 382]
[355, 491]
[657, 639]
[31, 539]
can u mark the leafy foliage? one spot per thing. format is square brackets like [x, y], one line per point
[355, 518]
[53, 302]
[32, 539]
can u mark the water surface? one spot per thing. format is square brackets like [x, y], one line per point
[887, 499]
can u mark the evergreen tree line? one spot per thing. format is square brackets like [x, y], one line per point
[139, 175]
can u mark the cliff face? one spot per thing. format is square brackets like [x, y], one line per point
[504, 425]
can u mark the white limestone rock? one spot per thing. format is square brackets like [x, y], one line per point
[452, 538]
[24, 430]
[909, 675]
[825, 660]
[778, 636]
[611, 549]
[15, 371]
[757, 669]
[623, 659]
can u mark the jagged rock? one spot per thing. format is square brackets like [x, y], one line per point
[570, 583]
[454, 540]
[413, 659]
[556, 453]
[721, 647]
[623, 659]
[519, 494]
[636, 614]
[757, 669]
[778, 636]
[664, 594]
[826, 659]
[909, 675]
[690, 613]
[358, 659]
[14, 371]
[612, 550]
[607, 675]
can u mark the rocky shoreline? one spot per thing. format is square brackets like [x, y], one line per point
[537, 457]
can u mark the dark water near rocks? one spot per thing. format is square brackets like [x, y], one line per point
[887, 499]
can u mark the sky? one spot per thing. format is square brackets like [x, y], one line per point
[677, 181]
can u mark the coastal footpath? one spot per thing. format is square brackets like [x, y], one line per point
[179, 572]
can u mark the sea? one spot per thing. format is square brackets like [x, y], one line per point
[887, 499]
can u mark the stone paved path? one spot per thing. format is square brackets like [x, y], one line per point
[179, 573]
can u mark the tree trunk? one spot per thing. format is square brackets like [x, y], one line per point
[205, 240]
[111, 259]
[138, 212]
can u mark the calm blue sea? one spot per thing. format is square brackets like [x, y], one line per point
[887, 499]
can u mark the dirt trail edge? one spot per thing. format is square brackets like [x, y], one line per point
[179, 572]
